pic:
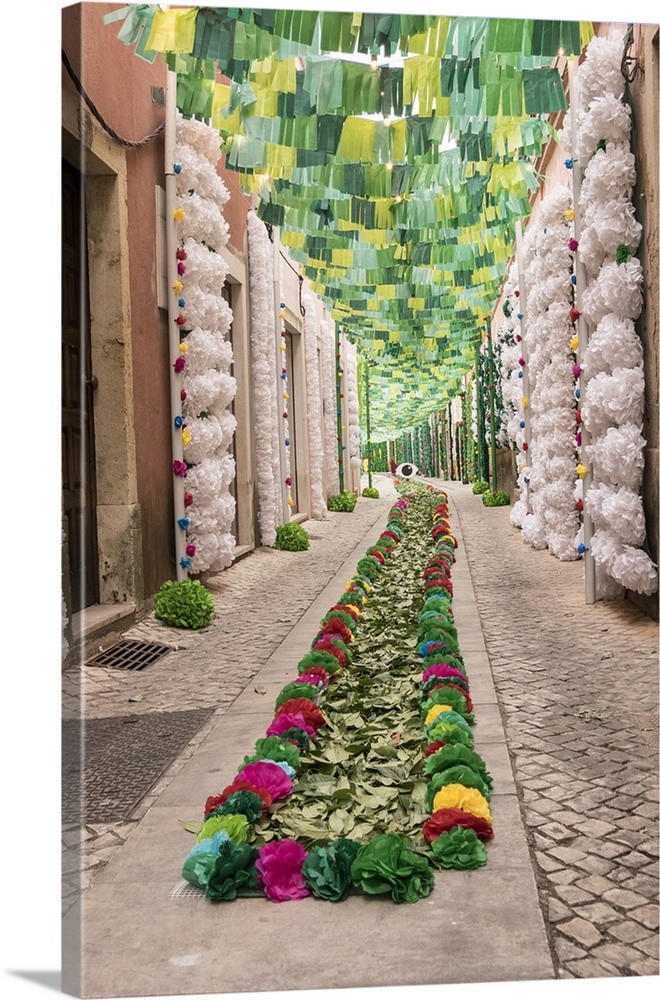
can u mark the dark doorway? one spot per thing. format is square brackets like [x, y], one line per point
[78, 463]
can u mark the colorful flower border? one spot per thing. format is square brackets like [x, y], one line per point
[224, 865]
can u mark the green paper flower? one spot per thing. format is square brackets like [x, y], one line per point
[449, 756]
[327, 870]
[244, 803]
[274, 748]
[459, 848]
[234, 871]
[198, 867]
[296, 690]
[235, 825]
[387, 864]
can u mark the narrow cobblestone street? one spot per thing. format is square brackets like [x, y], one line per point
[578, 691]
[577, 688]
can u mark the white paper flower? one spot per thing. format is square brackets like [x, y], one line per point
[614, 399]
[618, 457]
[607, 120]
[617, 510]
[613, 344]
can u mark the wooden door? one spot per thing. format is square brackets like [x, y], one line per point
[78, 464]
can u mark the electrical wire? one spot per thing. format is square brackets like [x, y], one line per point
[131, 143]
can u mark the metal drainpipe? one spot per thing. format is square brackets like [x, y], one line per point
[172, 313]
[583, 341]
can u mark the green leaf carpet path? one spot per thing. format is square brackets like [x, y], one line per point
[362, 775]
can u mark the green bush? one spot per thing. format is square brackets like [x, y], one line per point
[497, 499]
[291, 537]
[343, 501]
[480, 486]
[371, 491]
[184, 604]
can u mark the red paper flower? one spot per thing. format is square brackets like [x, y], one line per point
[187, 499]
[238, 785]
[310, 712]
[445, 819]
[575, 315]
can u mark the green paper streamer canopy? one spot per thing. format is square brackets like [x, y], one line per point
[395, 152]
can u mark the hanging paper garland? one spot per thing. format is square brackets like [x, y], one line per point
[207, 387]
[284, 381]
[328, 367]
[613, 404]
[553, 521]
[264, 379]
[318, 506]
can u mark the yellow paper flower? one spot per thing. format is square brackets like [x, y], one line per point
[183, 347]
[569, 214]
[574, 341]
[434, 712]
[524, 401]
[457, 796]
[285, 395]
[581, 470]
[186, 437]
[290, 502]
[282, 347]
[177, 287]
[178, 215]
[354, 608]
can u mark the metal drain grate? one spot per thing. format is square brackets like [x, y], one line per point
[130, 654]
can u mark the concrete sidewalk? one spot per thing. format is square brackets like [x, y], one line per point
[143, 938]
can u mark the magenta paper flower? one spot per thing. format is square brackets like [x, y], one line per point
[263, 774]
[280, 869]
[442, 670]
[286, 721]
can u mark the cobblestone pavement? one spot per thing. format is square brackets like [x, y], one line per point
[258, 600]
[578, 690]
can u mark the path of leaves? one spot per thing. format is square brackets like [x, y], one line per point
[363, 774]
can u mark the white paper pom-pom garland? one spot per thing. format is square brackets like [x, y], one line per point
[329, 407]
[352, 408]
[553, 519]
[318, 506]
[264, 379]
[207, 387]
[613, 399]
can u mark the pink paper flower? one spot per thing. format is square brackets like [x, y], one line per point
[285, 721]
[442, 670]
[265, 774]
[179, 468]
[280, 869]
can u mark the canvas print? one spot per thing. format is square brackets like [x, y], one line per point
[359, 499]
